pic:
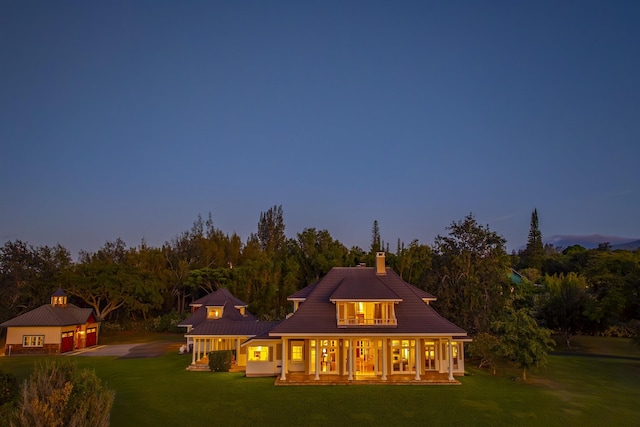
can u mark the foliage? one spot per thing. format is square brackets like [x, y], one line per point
[59, 394]
[166, 323]
[469, 275]
[486, 348]
[564, 306]
[8, 387]
[522, 341]
[533, 254]
[220, 360]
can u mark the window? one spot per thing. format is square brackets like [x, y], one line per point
[297, 353]
[33, 341]
[214, 312]
[259, 354]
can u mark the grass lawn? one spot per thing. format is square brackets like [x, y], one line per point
[571, 391]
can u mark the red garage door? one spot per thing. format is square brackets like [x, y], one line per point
[66, 344]
[91, 337]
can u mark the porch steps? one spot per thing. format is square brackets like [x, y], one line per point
[199, 367]
[296, 380]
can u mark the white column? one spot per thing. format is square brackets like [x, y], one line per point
[237, 350]
[450, 361]
[384, 359]
[283, 375]
[350, 360]
[193, 351]
[317, 377]
[417, 354]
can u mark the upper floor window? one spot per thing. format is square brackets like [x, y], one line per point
[214, 312]
[366, 313]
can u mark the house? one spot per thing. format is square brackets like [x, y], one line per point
[360, 323]
[58, 327]
[220, 321]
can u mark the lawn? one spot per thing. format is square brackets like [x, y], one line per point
[572, 391]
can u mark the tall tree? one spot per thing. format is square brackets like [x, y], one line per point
[271, 230]
[534, 253]
[470, 275]
[376, 243]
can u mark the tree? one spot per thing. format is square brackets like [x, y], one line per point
[316, 253]
[522, 341]
[59, 394]
[565, 305]
[486, 348]
[533, 254]
[470, 275]
[376, 244]
[271, 230]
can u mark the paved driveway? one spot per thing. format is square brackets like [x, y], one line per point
[129, 351]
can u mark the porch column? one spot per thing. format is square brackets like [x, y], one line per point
[350, 360]
[237, 350]
[317, 361]
[193, 352]
[283, 369]
[450, 361]
[384, 359]
[418, 358]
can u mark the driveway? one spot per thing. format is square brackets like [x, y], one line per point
[129, 351]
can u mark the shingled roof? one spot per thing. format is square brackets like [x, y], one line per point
[220, 298]
[49, 315]
[317, 314]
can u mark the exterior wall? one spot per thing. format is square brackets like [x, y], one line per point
[382, 353]
[15, 335]
[266, 368]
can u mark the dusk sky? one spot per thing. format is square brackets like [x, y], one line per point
[128, 119]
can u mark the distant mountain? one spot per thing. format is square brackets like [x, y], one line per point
[593, 240]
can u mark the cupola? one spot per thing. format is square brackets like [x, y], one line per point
[59, 298]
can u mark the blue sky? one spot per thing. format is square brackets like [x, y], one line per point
[128, 119]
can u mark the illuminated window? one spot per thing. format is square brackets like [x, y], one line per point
[258, 353]
[33, 341]
[296, 353]
[214, 312]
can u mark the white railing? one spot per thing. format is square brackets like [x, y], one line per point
[366, 322]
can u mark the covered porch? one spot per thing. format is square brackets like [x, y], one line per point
[201, 346]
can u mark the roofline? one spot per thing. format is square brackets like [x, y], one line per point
[217, 336]
[370, 334]
[296, 299]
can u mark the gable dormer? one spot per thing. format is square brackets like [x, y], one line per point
[214, 312]
[59, 298]
[365, 302]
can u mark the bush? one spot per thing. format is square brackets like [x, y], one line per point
[59, 394]
[8, 388]
[220, 361]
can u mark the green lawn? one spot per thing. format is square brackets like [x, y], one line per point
[571, 391]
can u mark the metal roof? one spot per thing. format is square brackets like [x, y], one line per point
[49, 315]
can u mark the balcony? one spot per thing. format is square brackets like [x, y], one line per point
[362, 321]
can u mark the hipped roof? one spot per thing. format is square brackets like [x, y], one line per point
[317, 315]
[49, 315]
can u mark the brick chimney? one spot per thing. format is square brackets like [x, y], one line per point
[380, 263]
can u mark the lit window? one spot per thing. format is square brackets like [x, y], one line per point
[258, 354]
[296, 353]
[33, 341]
[214, 312]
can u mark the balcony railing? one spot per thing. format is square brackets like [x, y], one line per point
[361, 321]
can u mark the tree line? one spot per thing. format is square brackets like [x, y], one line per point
[573, 290]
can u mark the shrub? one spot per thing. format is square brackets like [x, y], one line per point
[220, 360]
[58, 394]
[8, 387]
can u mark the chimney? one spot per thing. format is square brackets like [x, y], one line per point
[380, 264]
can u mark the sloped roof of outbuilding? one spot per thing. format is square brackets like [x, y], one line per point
[317, 315]
[49, 315]
[220, 298]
